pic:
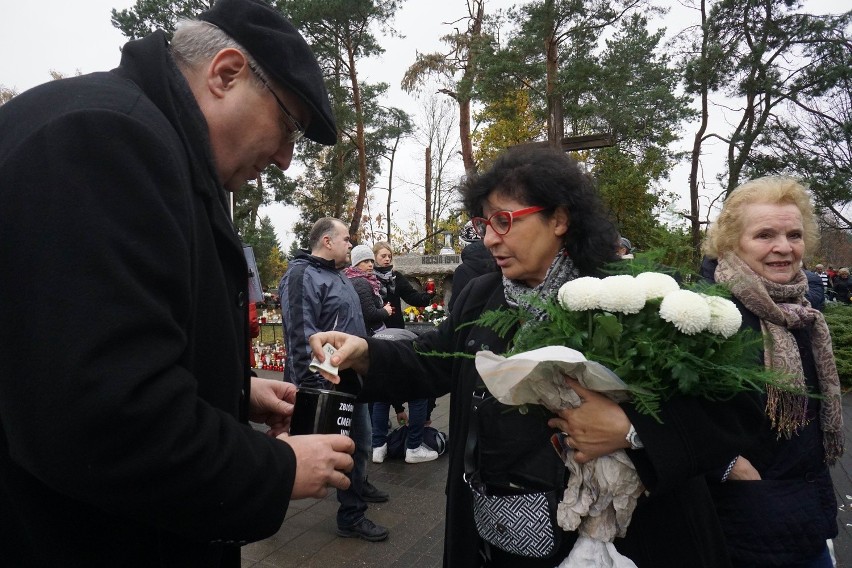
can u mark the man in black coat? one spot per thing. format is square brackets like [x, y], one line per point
[125, 391]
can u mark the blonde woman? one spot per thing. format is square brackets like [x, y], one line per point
[776, 500]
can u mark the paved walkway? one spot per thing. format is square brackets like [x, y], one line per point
[414, 514]
[415, 517]
[842, 475]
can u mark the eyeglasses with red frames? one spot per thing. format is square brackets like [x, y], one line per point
[501, 221]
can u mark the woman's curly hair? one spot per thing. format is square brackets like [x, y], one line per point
[539, 175]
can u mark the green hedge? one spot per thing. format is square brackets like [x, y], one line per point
[839, 319]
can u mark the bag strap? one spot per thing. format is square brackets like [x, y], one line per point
[471, 446]
[480, 393]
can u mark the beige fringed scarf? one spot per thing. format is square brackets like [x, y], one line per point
[782, 307]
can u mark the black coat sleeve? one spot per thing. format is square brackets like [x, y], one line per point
[696, 436]
[407, 292]
[371, 304]
[401, 370]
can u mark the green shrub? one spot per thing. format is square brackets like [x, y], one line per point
[839, 319]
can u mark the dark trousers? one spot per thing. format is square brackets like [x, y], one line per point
[352, 506]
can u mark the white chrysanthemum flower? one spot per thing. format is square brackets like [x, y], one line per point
[686, 310]
[580, 294]
[656, 284]
[725, 318]
[620, 294]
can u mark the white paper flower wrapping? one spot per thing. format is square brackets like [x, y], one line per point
[588, 552]
[538, 377]
[601, 495]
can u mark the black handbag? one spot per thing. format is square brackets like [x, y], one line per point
[514, 510]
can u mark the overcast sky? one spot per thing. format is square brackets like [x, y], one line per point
[37, 36]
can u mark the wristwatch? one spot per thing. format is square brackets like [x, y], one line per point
[633, 439]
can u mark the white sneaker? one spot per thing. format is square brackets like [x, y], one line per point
[418, 455]
[380, 453]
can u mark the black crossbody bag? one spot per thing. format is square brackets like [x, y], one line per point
[515, 477]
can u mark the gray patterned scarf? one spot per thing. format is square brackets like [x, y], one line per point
[387, 280]
[561, 271]
[782, 307]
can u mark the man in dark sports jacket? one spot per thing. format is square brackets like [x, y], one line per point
[317, 296]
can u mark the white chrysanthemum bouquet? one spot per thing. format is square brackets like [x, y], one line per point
[659, 339]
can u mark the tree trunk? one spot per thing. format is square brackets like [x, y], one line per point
[464, 135]
[555, 121]
[390, 183]
[746, 134]
[694, 219]
[427, 183]
[464, 97]
[355, 225]
[339, 195]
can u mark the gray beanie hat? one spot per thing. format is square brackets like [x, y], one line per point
[361, 253]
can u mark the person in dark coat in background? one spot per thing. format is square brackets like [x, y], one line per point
[316, 296]
[376, 311]
[125, 391]
[395, 287]
[842, 287]
[544, 223]
[816, 291]
[476, 260]
[776, 500]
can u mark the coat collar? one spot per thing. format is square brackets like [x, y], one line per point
[148, 63]
[316, 260]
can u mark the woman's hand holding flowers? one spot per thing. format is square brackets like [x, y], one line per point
[595, 428]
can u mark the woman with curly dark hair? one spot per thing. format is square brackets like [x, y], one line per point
[542, 219]
[553, 181]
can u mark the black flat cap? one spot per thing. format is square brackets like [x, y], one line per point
[283, 54]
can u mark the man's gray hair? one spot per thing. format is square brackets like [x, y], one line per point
[196, 42]
[327, 226]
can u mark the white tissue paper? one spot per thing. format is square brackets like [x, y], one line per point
[601, 495]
